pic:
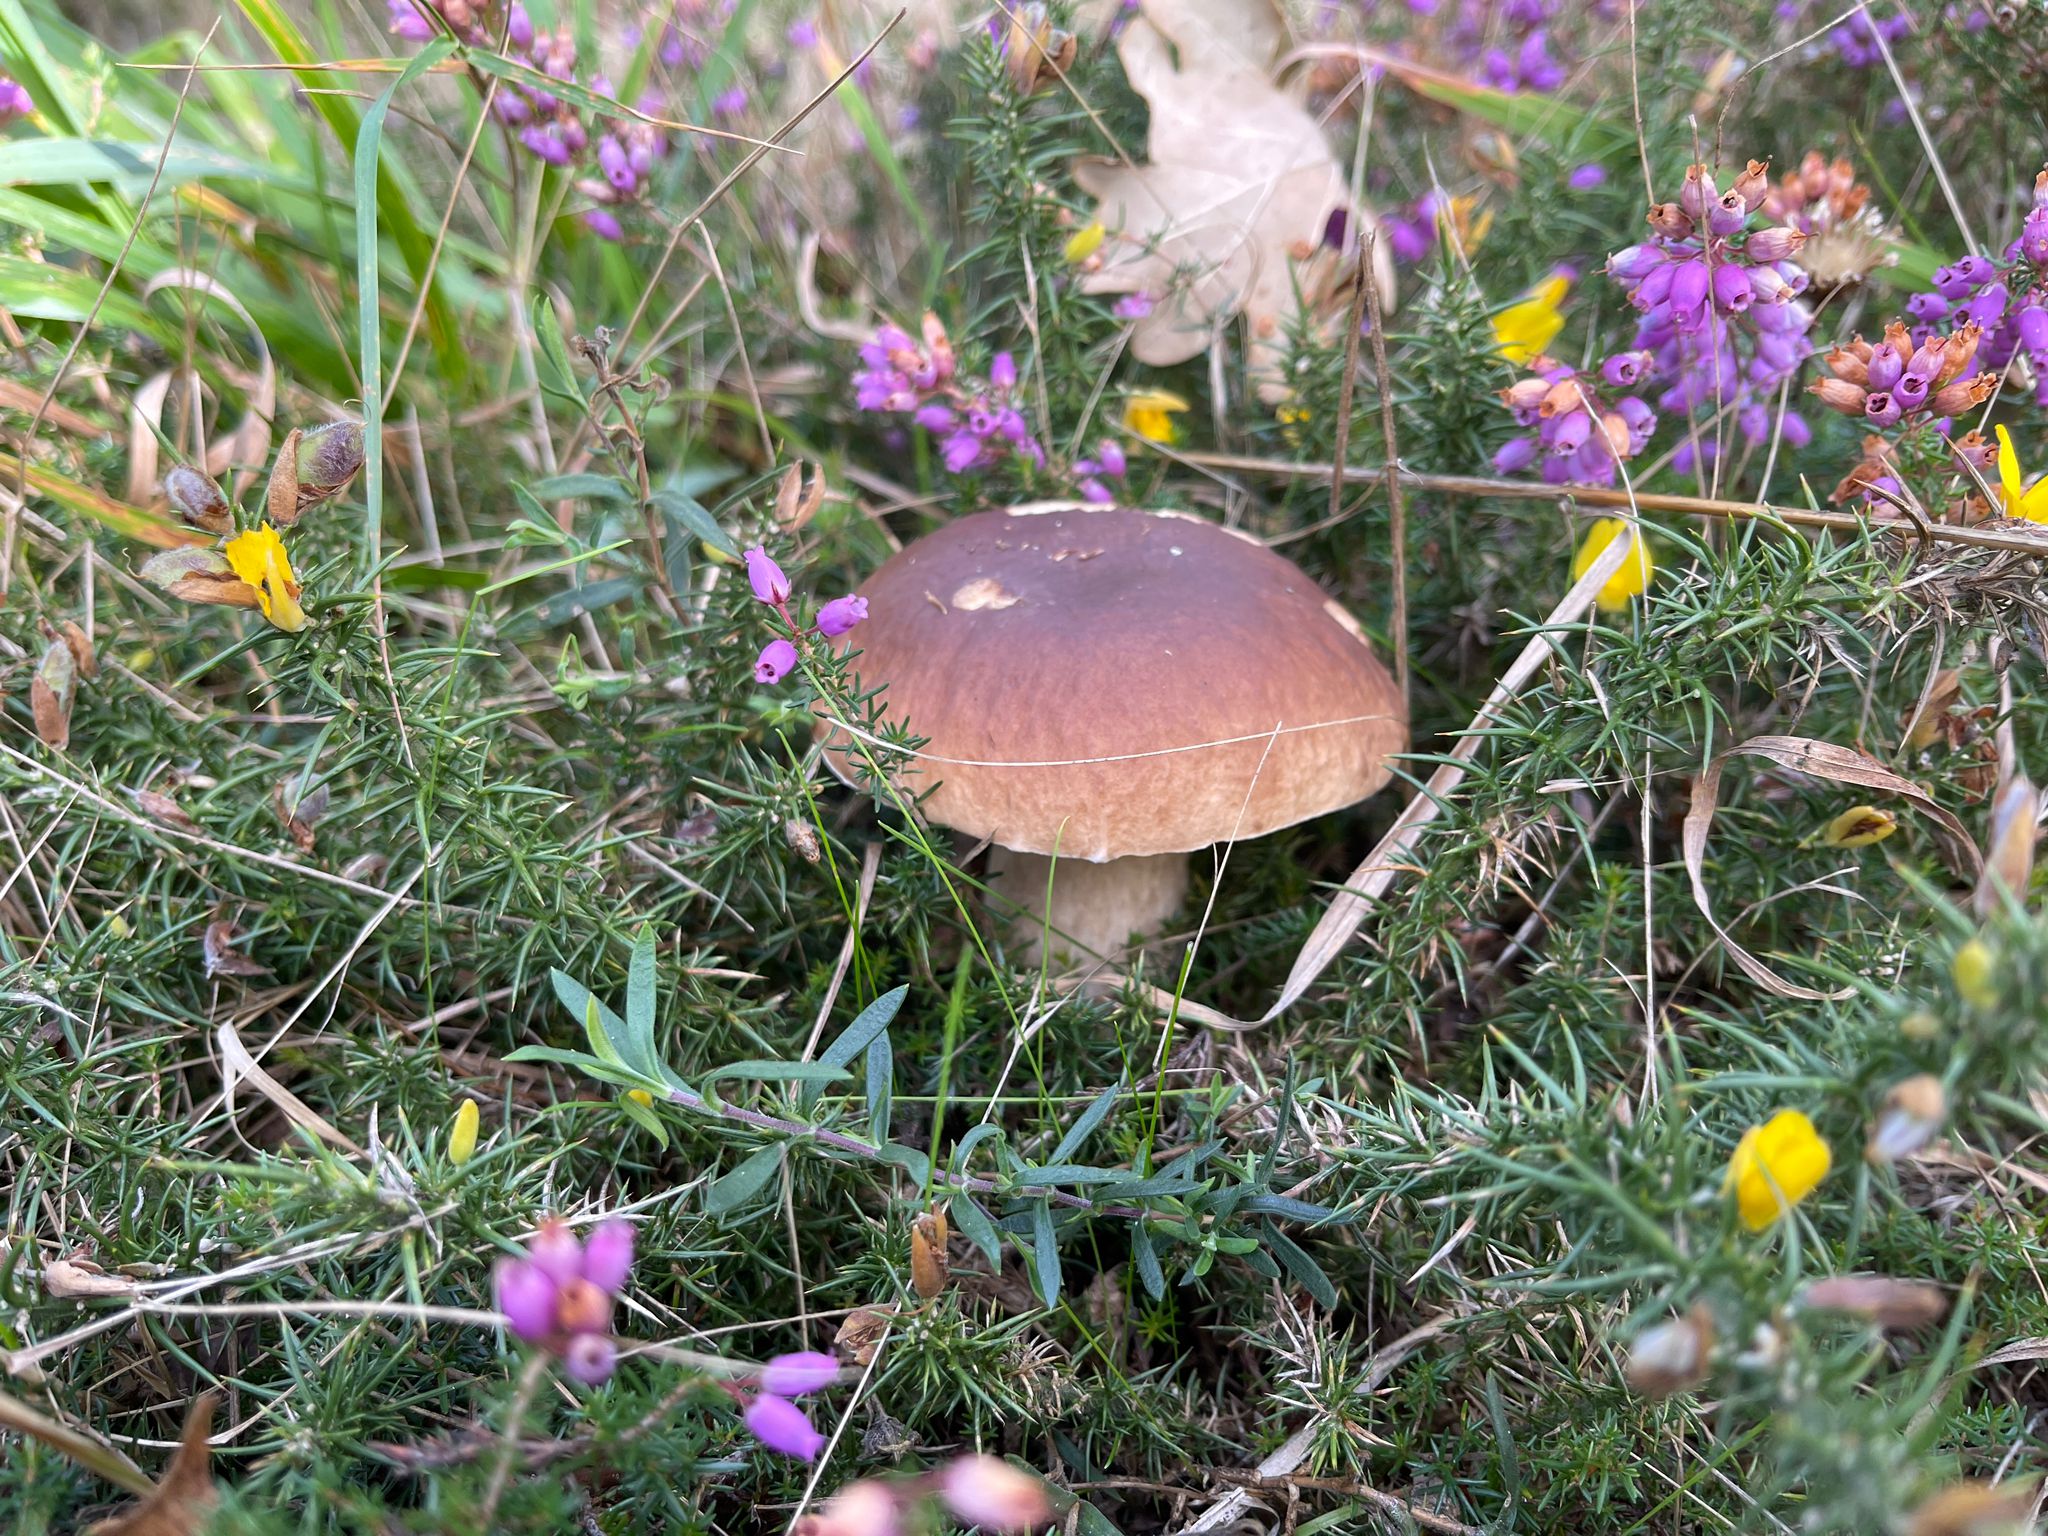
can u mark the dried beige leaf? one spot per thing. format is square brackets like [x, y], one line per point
[860, 1335]
[222, 959]
[184, 1500]
[1976, 1509]
[1229, 212]
[1823, 760]
[78, 1278]
[164, 809]
[81, 648]
[50, 693]
[2009, 851]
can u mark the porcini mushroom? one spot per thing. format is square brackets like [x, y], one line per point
[1111, 689]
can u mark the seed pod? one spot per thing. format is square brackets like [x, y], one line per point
[802, 838]
[1672, 1356]
[929, 1272]
[81, 648]
[1914, 1112]
[195, 498]
[1889, 1303]
[2009, 853]
[50, 694]
[195, 575]
[861, 1334]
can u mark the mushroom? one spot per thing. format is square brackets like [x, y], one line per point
[1104, 690]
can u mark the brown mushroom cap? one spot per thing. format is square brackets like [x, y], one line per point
[1103, 682]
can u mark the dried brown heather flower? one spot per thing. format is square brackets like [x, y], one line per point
[1672, 1356]
[1896, 384]
[1824, 201]
[1914, 1112]
[1890, 1303]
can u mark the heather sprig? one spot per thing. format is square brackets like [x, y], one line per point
[771, 587]
[1720, 306]
[975, 420]
[1585, 426]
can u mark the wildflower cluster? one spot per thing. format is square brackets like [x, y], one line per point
[779, 656]
[1825, 202]
[1095, 474]
[2007, 298]
[1720, 304]
[546, 125]
[974, 420]
[250, 568]
[558, 1294]
[1584, 427]
[15, 103]
[1900, 384]
[981, 1492]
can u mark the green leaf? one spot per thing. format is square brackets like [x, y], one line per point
[600, 1037]
[773, 1072]
[1531, 115]
[1084, 1127]
[590, 1066]
[1300, 1264]
[966, 1214]
[1280, 1129]
[557, 373]
[636, 1043]
[881, 1085]
[578, 999]
[648, 1121]
[54, 162]
[425, 578]
[686, 515]
[743, 1182]
[1147, 1259]
[581, 488]
[866, 1025]
[1045, 1252]
[561, 607]
[369, 294]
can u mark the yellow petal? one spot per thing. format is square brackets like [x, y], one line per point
[1859, 827]
[1150, 414]
[1632, 580]
[462, 1134]
[1523, 330]
[1776, 1165]
[1083, 243]
[2009, 472]
[258, 558]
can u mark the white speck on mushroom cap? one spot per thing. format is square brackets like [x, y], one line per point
[984, 592]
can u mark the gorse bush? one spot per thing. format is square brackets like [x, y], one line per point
[502, 1032]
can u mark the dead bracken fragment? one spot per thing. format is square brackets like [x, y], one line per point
[221, 957]
[50, 694]
[163, 808]
[184, 1500]
[860, 1335]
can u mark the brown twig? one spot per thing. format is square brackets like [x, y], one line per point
[1480, 486]
[1397, 507]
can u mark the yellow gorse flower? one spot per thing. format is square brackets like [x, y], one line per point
[259, 560]
[1975, 973]
[1463, 222]
[1776, 1165]
[1084, 242]
[462, 1134]
[1150, 414]
[1632, 580]
[2031, 503]
[1523, 330]
[1859, 827]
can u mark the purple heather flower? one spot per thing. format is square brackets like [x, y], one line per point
[1111, 457]
[1732, 290]
[603, 223]
[1132, 306]
[1586, 177]
[774, 663]
[547, 143]
[798, 1374]
[2034, 236]
[555, 1252]
[782, 1426]
[1002, 372]
[518, 27]
[1515, 455]
[730, 102]
[608, 1254]
[802, 33]
[526, 1296]
[1096, 493]
[406, 22]
[834, 620]
[590, 1358]
[766, 577]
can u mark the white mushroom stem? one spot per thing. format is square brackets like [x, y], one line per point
[1094, 910]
